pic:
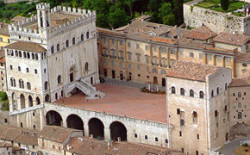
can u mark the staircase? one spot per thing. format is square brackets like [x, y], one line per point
[89, 90]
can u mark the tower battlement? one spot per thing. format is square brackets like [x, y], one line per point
[43, 6]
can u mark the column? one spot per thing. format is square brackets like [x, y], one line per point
[223, 61]
[213, 60]
[86, 129]
[107, 135]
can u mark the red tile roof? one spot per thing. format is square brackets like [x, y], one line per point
[26, 46]
[243, 56]
[191, 71]
[233, 39]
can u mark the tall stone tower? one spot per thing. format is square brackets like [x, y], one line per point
[43, 15]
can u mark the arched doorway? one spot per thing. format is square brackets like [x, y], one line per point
[96, 128]
[71, 74]
[155, 80]
[163, 82]
[37, 101]
[53, 118]
[22, 99]
[74, 122]
[117, 129]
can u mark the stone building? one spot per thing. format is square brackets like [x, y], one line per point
[143, 51]
[195, 16]
[50, 55]
[2, 72]
[197, 107]
[4, 35]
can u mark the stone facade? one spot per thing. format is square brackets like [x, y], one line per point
[44, 73]
[195, 16]
[198, 112]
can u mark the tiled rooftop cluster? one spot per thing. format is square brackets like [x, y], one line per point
[191, 71]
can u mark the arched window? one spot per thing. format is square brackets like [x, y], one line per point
[38, 101]
[67, 43]
[16, 53]
[173, 90]
[73, 41]
[56, 96]
[30, 101]
[239, 115]
[212, 93]
[33, 56]
[24, 54]
[156, 139]
[226, 86]
[59, 79]
[62, 93]
[20, 54]
[12, 82]
[201, 94]
[86, 67]
[52, 49]
[28, 86]
[182, 91]
[87, 35]
[218, 90]
[19, 68]
[46, 85]
[21, 84]
[36, 55]
[82, 37]
[28, 55]
[191, 93]
[58, 47]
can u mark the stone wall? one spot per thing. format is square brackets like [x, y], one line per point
[133, 125]
[195, 16]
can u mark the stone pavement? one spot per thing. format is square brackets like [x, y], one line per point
[229, 148]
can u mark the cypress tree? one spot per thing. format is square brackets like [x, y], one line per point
[224, 4]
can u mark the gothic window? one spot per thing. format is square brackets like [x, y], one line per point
[87, 35]
[82, 37]
[12, 82]
[28, 86]
[21, 84]
[201, 94]
[182, 91]
[67, 43]
[58, 47]
[191, 93]
[173, 90]
[59, 79]
[46, 85]
[73, 40]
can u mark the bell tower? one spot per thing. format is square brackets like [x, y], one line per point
[43, 15]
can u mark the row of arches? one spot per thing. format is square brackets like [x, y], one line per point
[23, 101]
[95, 125]
[27, 55]
[191, 92]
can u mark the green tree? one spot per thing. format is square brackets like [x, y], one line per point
[5, 106]
[117, 17]
[166, 14]
[178, 11]
[224, 4]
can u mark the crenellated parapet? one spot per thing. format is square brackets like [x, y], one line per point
[43, 6]
[86, 16]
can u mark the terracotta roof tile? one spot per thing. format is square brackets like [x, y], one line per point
[2, 60]
[244, 80]
[233, 39]
[55, 133]
[26, 46]
[191, 71]
[242, 56]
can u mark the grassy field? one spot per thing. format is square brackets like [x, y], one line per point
[215, 5]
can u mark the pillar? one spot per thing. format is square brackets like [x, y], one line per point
[107, 135]
[223, 62]
[86, 129]
[213, 60]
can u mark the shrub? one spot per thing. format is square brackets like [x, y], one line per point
[3, 96]
[245, 145]
[5, 106]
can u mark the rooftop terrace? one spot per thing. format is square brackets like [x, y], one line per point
[122, 101]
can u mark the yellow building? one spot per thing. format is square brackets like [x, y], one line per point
[4, 35]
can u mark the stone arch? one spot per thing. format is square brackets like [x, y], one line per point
[75, 122]
[53, 118]
[117, 129]
[30, 99]
[96, 128]
[22, 101]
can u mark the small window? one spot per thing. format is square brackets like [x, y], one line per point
[146, 137]
[180, 134]
[135, 135]
[201, 94]
[52, 49]
[156, 139]
[215, 113]
[166, 140]
[27, 70]
[73, 40]
[198, 136]
[191, 55]
[182, 91]
[82, 38]
[67, 43]
[191, 93]
[218, 90]
[58, 47]
[178, 111]
[212, 93]
[35, 71]
[173, 90]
